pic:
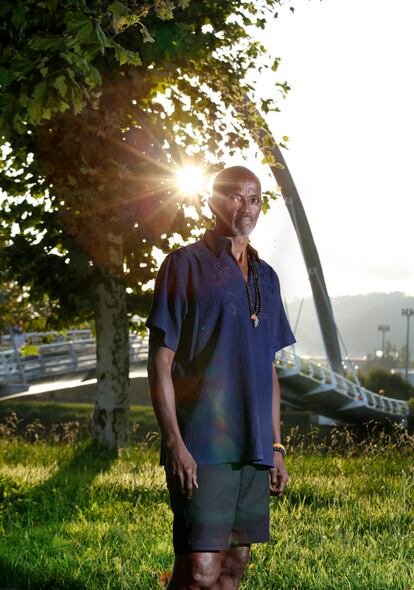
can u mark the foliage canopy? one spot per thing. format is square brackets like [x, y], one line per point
[100, 103]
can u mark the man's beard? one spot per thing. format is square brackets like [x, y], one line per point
[243, 225]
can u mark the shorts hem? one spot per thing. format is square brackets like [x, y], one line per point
[202, 547]
[255, 540]
[214, 547]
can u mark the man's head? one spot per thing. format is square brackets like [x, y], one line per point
[236, 201]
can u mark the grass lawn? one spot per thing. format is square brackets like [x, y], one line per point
[72, 517]
[72, 419]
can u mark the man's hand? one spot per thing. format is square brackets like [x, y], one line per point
[182, 469]
[278, 475]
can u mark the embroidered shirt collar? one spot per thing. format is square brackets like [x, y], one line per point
[218, 243]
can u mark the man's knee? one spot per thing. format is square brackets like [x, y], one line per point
[235, 561]
[205, 569]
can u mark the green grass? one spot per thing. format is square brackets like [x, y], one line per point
[49, 414]
[70, 419]
[48, 411]
[74, 517]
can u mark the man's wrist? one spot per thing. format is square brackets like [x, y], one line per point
[173, 442]
[279, 448]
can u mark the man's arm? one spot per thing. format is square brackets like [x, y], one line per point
[278, 474]
[179, 463]
[276, 406]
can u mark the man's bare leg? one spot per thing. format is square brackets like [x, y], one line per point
[197, 570]
[203, 570]
[233, 565]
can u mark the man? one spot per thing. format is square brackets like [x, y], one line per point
[216, 322]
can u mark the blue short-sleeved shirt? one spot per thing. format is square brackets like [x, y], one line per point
[222, 368]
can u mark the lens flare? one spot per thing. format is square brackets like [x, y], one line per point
[190, 180]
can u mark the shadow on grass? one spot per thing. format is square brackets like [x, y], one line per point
[34, 516]
[20, 577]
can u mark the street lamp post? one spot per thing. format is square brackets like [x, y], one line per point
[383, 328]
[408, 312]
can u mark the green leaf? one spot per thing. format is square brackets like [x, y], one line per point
[60, 84]
[34, 111]
[126, 56]
[121, 54]
[5, 77]
[19, 15]
[102, 38]
[29, 350]
[51, 44]
[275, 64]
[76, 21]
[86, 32]
[63, 106]
[94, 76]
[146, 34]
[265, 204]
[39, 91]
[18, 124]
[122, 17]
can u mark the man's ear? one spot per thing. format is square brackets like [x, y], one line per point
[212, 204]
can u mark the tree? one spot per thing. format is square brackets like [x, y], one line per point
[390, 384]
[99, 106]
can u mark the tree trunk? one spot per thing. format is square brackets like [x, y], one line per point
[111, 414]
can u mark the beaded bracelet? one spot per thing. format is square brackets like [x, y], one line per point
[279, 448]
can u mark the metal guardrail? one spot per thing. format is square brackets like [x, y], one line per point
[59, 358]
[350, 391]
[39, 337]
[78, 354]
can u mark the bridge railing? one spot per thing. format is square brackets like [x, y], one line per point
[287, 359]
[79, 354]
[60, 358]
[47, 337]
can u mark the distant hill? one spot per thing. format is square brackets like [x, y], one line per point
[357, 317]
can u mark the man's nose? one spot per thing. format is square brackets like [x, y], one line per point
[245, 205]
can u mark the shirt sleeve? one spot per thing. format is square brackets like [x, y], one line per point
[169, 301]
[282, 333]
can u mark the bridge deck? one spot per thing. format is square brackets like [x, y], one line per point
[304, 384]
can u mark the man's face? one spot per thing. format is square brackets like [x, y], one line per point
[239, 206]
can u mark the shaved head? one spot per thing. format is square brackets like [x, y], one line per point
[226, 179]
[236, 201]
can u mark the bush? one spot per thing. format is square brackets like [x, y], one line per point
[390, 384]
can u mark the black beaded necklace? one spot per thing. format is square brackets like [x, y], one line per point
[254, 310]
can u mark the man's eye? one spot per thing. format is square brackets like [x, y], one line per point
[238, 198]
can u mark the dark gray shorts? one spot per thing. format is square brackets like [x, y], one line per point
[229, 508]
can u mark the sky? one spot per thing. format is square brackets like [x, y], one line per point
[349, 117]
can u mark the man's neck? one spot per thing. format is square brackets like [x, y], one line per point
[238, 244]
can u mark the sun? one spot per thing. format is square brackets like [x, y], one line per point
[190, 180]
